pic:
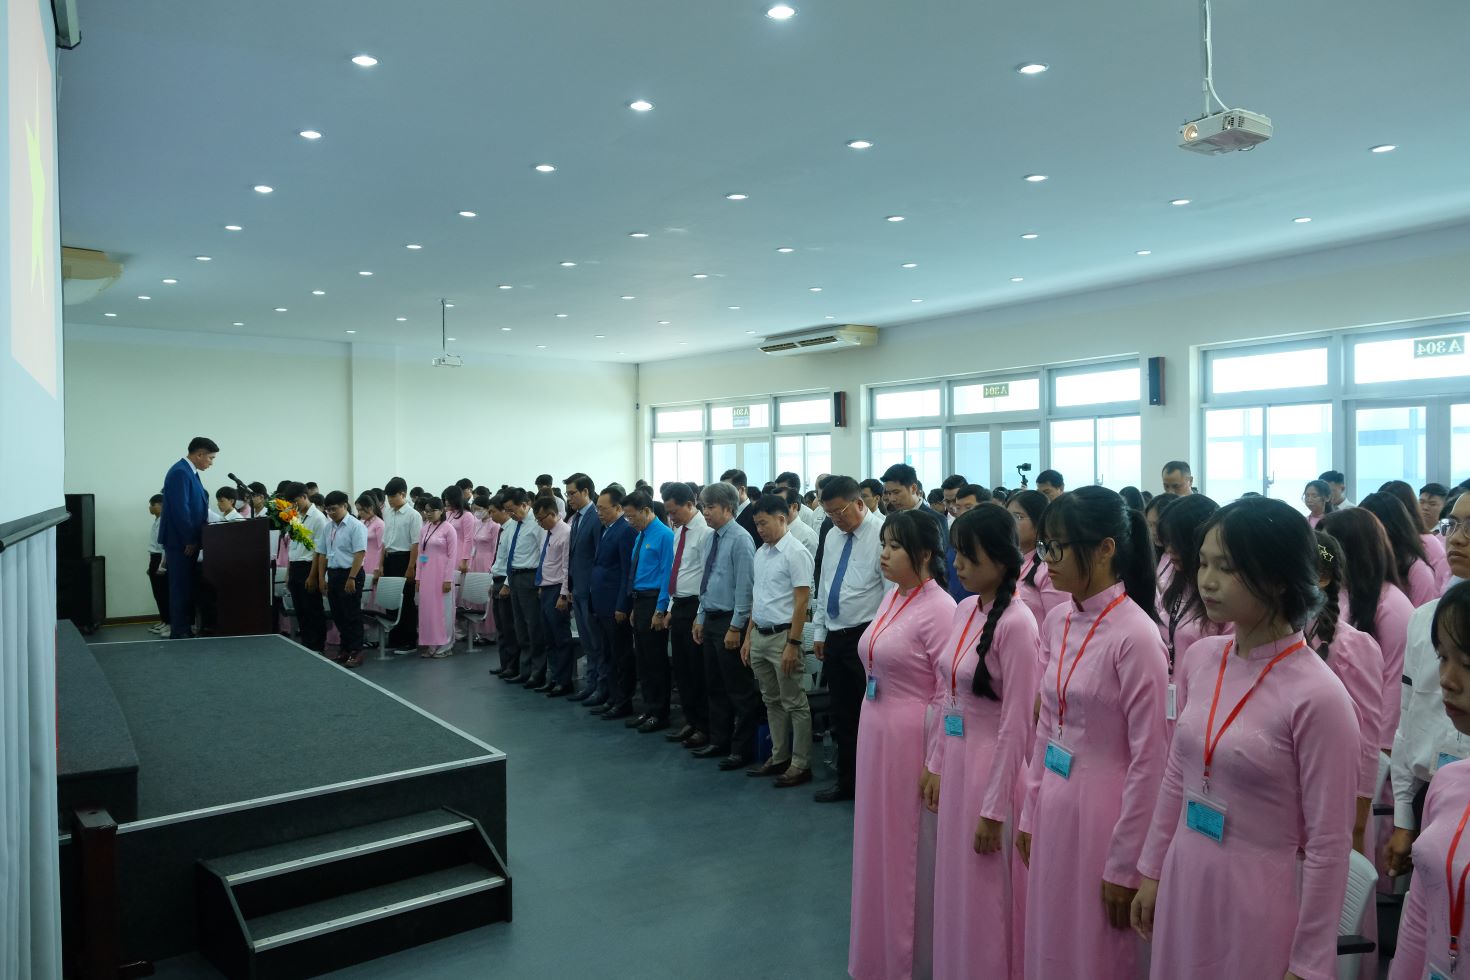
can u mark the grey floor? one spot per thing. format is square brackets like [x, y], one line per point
[630, 859]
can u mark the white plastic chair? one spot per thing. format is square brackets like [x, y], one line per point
[474, 591]
[389, 599]
[1362, 879]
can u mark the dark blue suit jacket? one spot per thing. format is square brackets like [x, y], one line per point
[582, 552]
[185, 508]
[611, 568]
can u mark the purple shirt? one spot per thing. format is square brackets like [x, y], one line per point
[554, 556]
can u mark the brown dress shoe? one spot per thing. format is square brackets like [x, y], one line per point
[793, 777]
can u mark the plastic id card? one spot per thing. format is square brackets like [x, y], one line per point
[954, 725]
[423, 559]
[872, 694]
[1058, 759]
[1205, 816]
[1450, 749]
[1171, 711]
[1437, 973]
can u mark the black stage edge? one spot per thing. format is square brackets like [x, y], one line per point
[14, 532]
[245, 743]
[96, 763]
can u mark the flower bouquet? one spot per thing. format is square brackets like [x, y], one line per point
[283, 517]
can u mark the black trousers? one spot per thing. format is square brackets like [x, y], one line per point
[735, 704]
[406, 633]
[346, 609]
[689, 663]
[621, 673]
[525, 602]
[847, 681]
[311, 618]
[159, 585]
[505, 630]
[652, 648]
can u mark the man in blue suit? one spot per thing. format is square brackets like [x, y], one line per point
[611, 603]
[581, 556]
[181, 528]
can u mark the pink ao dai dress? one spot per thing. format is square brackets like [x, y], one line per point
[439, 554]
[1424, 929]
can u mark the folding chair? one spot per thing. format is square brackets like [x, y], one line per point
[474, 591]
[389, 599]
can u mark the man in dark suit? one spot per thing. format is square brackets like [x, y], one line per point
[901, 491]
[744, 514]
[185, 512]
[581, 557]
[611, 604]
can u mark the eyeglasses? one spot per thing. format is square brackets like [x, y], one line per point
[1449, 527]
[1051, 551]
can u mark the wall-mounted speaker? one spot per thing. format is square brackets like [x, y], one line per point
[77, 537]
[1156, 381]
[839, 409]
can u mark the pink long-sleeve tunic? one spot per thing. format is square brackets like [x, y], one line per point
[438, 560]
[1424, 929]
[1040, 596]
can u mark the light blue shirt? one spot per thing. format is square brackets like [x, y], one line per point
[731, 577]
[528, 544]
[344, 541]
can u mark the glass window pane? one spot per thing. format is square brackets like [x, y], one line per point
[1396, 360]
[722, 418]
[1019, 446]
[791, 454]
[756, 462]
[1097, 387]
[722, 457]
[972, 456]
[691, 462]
[1459, 444]
[922, 451]
[818, 459]
[1234, 452]
[1021, 395]
[1119, 451]
[1391, 445]
[887, 449]
[1265, 372]
[665, 463]
[1073, 452]
[667, 420]
[910, 404]
[805, 411]
[1298, 447]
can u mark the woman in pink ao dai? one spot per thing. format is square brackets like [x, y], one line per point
[439, 554]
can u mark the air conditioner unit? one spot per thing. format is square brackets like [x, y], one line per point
[832, 338]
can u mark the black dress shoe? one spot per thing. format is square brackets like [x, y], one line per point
[544, 686]
[596, 703]
[732, 762]
[624, 710]
[514, 679]
[681, 734]
[652, 725]
[832, 794]
[767, 769]
[637, 720]
[580, 696]
[496, 671]
[696, 741]
[559, 691]
[711, 752]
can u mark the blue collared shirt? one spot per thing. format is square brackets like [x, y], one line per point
[731, 577]
[653, 556]
[344, 541]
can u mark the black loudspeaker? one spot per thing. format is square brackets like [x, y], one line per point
[839, 409]
[1156, 381]
[81, 592]
[76, 537]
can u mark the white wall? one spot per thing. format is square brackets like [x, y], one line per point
[1414, 277]
[346, 416]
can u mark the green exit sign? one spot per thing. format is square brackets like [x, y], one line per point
[1002, 390]
[1440, 346]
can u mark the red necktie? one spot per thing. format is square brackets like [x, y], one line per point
[678, 557]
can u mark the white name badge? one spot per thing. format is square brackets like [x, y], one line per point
[1170, 711]
[872, 694]
[954, 725]
[1451, 749]
[1058, 759]
[1205, 817]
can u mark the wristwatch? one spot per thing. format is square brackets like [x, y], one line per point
[792, 643]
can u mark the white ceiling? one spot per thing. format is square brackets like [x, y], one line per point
[171, 112]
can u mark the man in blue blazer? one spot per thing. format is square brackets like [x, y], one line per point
[577, 590]
[181, 528]
[611, 602]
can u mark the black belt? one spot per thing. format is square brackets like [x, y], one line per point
[773, 630]
[844, 632]
[684, 602]
[523, 571]
[643, 593]
[717, 613]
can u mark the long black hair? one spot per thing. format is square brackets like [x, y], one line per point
[1179, 530]
[1156, 508]
[1451, 623]
[1034, 503]
[368, 501]
[1402, 527]
[991, 531]
[1368, 564]
[1133, 498]
[1274, 555]
[1410, 500]
[454, 499]
[1330, 567]
[917, 532]
[1088, 515]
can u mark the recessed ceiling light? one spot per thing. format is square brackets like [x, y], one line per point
[233, 228]
[814, 289]
[505, 286]
[1383, 148]
[700, 275]
[637, 234]
[468, 214]
[894, 217]
[916, 301]
[568, 265]
[732, 307]
[364, 272]
[401, 319]
[170, 282]
[1143, 251]
[909, 265]
[203, 258]
[1179, 202]
[540, 346]
[545, 168]
[318, 292]
[859, 144]
[785, 249]
[145, 297]
[561, 316]
[310, 134]
[1035, 178]
[238, 323]
[622, 353]
[413, 247]
[829, 316]
[280, 309]
[109, 314]
[1030, 236]
[263, 188]
[781, 11]
[1301, 221]
[749, 333]
[627, 297]
[351, 331]
[364, 61]
[1032, 68]
[451, 338]
[505, 329]
[640, 105]
[737, 197]
[1017, 279]
[449, 306]
[664, 323]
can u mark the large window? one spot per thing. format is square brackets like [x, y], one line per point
[1392, 444]
[761, 436]
[991, 397]
[1075, 388]
[1272, 449]
[1106, 451]
[724, 418]
[906, 403]
[807, 456]
[681, 460]
[800, 410]
[668, 420]
[1300, 368]
[920, 448]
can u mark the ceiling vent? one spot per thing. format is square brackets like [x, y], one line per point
[815, 341]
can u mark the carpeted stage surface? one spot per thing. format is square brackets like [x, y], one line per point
[222, 720]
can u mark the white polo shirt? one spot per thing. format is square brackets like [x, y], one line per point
[779, 569]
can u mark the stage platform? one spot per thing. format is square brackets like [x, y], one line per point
[247, 744]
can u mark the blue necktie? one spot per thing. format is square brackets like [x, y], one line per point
[833, 608]
[544, 545]
[709, 565]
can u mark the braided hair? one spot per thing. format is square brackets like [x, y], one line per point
[990, 531]
[1329, 567]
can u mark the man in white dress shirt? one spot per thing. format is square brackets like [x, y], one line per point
[691, 545]
[795, 525]
[307, 577]
[401, 527]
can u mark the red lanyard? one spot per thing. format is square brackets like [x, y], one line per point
[1212, 744]
[1062, 688]
[954, 666]
[878, 631]
[1457, 895]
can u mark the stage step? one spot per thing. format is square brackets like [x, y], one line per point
[310, 906]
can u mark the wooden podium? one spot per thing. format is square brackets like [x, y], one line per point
[237, 565]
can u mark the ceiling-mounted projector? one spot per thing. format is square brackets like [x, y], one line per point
[1224, 132]
[448, 360]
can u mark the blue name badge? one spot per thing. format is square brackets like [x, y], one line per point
[1205, 817]
[954, 725]
[1058, 759]
[1444, 759]
[423, 559]
[872, 688]
[1435, 973]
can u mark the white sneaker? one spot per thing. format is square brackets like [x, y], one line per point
[158, 629]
